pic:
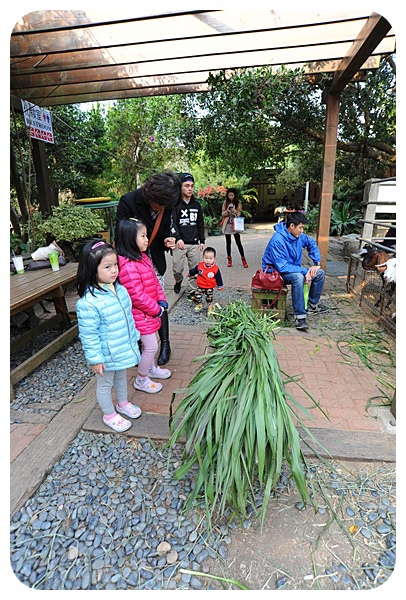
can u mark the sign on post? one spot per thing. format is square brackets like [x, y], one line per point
[39, 121]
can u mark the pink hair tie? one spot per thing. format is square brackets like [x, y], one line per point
[97, 244]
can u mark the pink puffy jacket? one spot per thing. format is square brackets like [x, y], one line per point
[139, 277]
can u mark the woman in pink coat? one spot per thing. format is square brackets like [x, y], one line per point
[148, 299]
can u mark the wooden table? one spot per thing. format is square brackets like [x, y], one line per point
[26, 291]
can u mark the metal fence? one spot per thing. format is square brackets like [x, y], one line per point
[375, 296]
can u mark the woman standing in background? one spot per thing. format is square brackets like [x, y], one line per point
[231, 208]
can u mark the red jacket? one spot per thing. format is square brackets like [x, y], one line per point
[207, 277]
[140, 279]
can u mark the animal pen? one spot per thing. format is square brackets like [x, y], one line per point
[376, 294]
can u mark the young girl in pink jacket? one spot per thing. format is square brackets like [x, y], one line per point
[148, 299]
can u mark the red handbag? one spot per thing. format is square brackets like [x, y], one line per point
[269, 279]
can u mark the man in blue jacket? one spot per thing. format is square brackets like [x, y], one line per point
[284, 253]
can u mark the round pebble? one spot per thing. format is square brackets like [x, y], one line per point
[110, 507]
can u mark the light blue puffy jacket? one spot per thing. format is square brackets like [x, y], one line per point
[107, 330]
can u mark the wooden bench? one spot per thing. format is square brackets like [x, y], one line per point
[27, 290]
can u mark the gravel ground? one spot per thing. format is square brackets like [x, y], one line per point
[183, 312]
[111, 516]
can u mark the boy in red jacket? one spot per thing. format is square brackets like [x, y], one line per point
[208, 277]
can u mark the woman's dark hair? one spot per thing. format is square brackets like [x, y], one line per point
[126, 238]
[235, 199]
[296, 218]
[89, 261]
[163, 188]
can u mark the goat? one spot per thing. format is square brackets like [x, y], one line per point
[385, 265]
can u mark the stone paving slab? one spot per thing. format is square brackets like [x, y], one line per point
[32, 465]
[340, 445]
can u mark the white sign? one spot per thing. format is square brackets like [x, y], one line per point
[39, 121]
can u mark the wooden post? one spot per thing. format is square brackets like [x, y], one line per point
[393, 405]
[45, 196]
[327, 184]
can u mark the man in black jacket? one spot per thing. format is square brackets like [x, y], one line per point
[188, 230]
[153, 203]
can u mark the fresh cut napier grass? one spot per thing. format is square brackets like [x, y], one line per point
[235, 419]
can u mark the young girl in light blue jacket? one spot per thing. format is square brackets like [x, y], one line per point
[107, 331]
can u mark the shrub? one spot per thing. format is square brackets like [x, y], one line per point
[345, 218]
[67, 223]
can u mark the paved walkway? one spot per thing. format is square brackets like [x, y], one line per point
[342, 388]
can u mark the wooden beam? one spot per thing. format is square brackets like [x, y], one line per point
[327, 184]
[45, 196]
[39, 357]
[373, 32]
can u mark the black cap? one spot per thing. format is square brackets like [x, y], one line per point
[185, 177]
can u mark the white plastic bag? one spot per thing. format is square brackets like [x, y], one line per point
[42, 253]
[238, 224]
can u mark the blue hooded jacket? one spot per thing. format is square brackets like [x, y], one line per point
[284, 251]
[107, 329]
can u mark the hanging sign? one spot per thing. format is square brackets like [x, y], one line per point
[39, 121]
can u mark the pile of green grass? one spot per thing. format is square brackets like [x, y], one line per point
[235, 418]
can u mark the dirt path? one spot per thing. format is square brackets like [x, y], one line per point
[348, 544]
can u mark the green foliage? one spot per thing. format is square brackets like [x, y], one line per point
[259, 118]
[79, 156]
[210, 221]
[17, 245]
[345, 218]
[143, 136]
[312, 216]
[67, 223]
[77, 161]
[237, 419]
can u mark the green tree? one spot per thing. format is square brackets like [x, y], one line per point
[143, 136]
[76, 161]
[259, 119]
[79, 156]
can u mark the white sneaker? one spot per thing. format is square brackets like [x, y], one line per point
[148, 386]
[129, 410]
[158, 373]
[118, 423]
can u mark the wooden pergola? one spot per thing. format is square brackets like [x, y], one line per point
[74, 56]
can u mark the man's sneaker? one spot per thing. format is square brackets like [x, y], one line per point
[316, 308]
[158, 373]
[198, 307]
[301, 324]
[177, 286]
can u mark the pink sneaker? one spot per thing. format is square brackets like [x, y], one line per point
[148, 386]
[158, 373]
[117, 423]
[129, 410]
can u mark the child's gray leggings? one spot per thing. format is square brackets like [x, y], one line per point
[105, 383]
